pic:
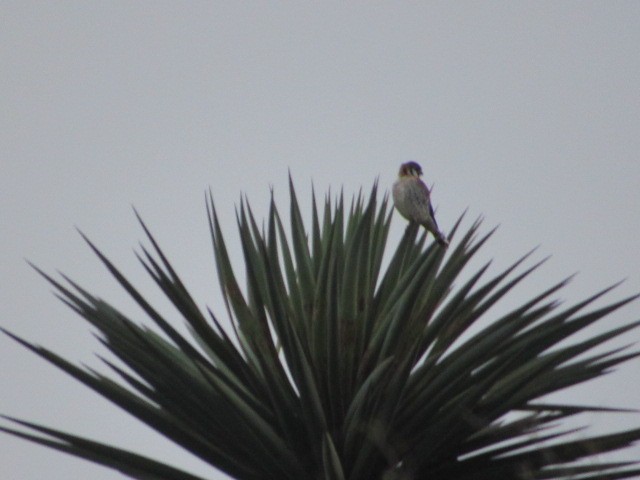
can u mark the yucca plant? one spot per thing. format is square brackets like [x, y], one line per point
[340, 363]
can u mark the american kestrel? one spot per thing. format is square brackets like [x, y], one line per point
[412, 199]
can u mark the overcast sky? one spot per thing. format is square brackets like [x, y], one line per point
[526, 112]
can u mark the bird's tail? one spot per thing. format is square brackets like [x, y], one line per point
[441, 239]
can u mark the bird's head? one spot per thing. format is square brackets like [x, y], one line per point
[410, 169]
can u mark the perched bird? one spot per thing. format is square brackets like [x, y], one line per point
[412, 199]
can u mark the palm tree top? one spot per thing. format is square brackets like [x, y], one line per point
[338, 362]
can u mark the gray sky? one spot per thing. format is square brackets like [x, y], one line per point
[526, 112]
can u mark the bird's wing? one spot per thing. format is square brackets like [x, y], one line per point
[427, 198]
[433, 216]
[425, 192]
